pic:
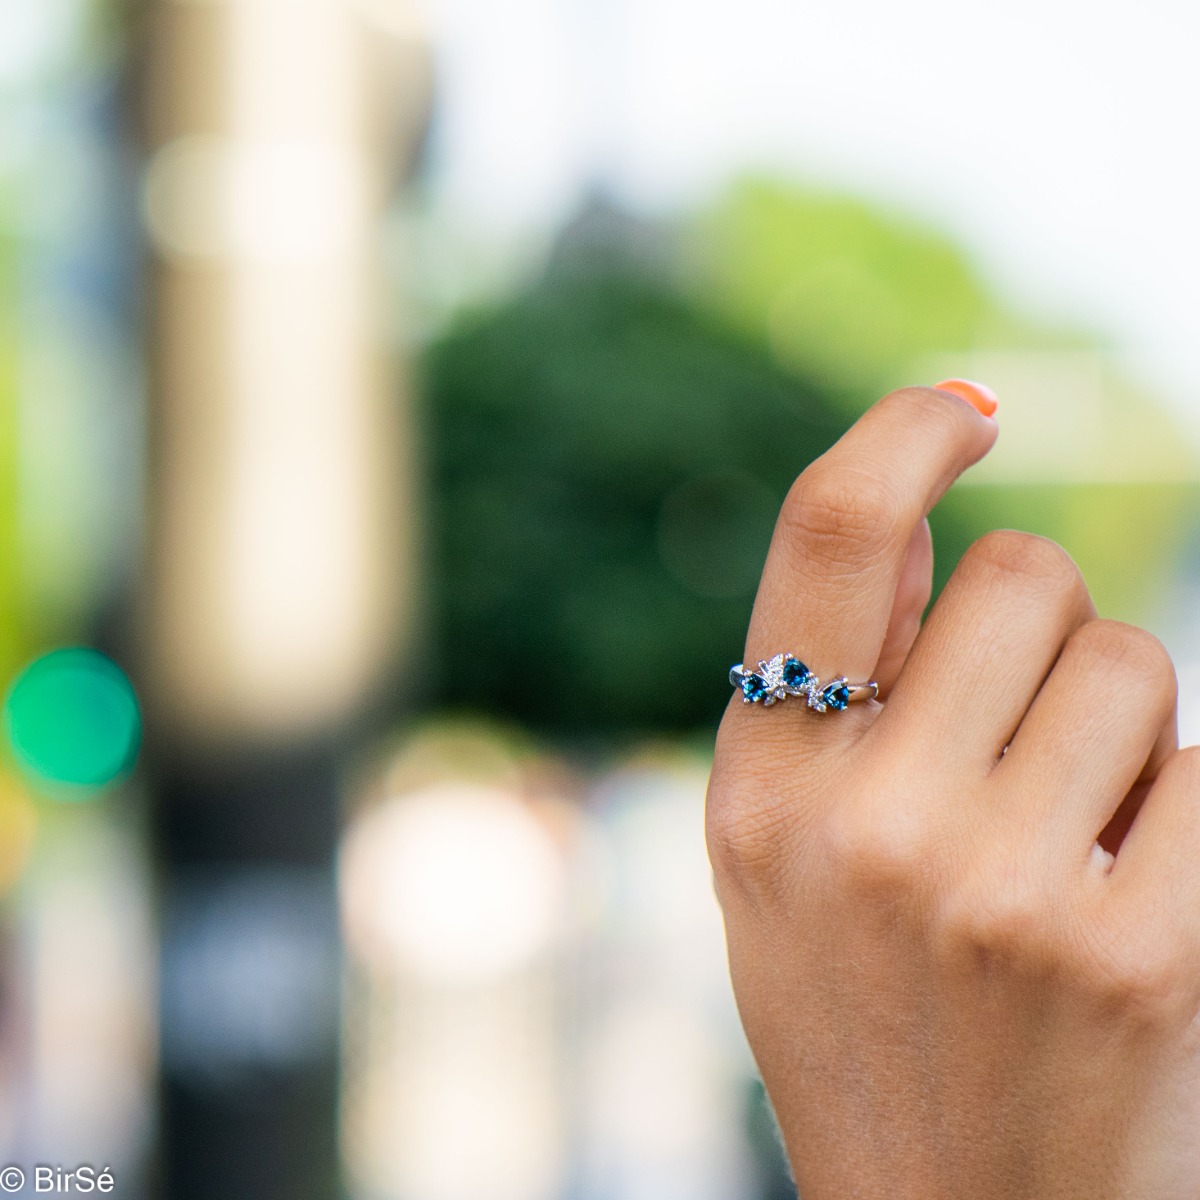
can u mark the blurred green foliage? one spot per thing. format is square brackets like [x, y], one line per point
[839, 290]
[61, 314]
[606, 467]
[1127, 539]
[14, 614]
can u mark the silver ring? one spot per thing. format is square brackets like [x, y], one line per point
[785, 675]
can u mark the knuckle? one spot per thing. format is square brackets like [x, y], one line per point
[1135, 653]
[743, 837]
[877, 850]
[997, 921]
[840, 514]
[1024, 556]
[1146, 978]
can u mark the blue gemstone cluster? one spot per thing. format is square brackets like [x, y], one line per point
[785, 675]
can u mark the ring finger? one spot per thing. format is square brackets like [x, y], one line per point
[992, 638]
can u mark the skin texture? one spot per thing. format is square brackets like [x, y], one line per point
[950, 989]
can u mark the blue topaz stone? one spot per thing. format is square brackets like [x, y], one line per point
[754, 687]
[795, 673]
[835, 695]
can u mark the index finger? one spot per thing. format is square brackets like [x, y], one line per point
[838, 548]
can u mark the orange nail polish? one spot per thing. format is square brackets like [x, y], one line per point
[978, 395]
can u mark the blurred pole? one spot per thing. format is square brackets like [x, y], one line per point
[278, 571]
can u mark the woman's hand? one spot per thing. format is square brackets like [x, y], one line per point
[950, 989]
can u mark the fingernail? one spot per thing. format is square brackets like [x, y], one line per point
[978, 395]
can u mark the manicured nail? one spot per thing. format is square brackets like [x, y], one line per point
[978, 395]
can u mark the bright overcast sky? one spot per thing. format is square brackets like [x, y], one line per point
[1055, 139]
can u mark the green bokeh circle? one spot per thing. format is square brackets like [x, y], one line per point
[73, 718]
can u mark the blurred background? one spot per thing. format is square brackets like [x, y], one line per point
[395, 400]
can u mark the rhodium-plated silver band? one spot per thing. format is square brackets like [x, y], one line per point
[785, 675]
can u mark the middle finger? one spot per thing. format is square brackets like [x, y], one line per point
[990, 641]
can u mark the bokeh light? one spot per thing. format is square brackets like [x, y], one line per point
[73, 719]
[457, 882]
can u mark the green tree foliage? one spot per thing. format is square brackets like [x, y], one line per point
[15, 614]
[606, 466]
[838, 289]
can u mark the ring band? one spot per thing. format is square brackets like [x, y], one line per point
[785, 675]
